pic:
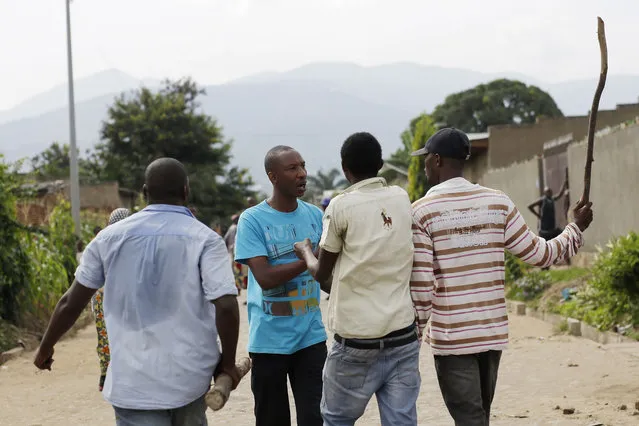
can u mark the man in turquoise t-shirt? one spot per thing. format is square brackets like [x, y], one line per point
[286, 334]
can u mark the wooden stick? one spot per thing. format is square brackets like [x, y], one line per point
[217, 397]
[592, 125]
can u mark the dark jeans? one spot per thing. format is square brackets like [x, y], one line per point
[269, 376]
[468, 385]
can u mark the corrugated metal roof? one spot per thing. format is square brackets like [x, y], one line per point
[395, 168]
[477, 136]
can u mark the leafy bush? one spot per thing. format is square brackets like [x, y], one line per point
[14, 262]
[8, 336]
[529, 287]
[36, 268]
[515, 268]
[48, 280]
[62, 239]
[612, 294]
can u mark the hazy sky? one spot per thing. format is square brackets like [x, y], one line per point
[218, 40]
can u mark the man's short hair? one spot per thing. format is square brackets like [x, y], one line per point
[271, 156]
[362, 154]
[165, 179]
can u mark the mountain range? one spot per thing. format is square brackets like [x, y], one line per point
[312, 108]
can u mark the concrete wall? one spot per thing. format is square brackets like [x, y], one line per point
[476, 167]
[515, 143]
[521, 183]
[614, 188]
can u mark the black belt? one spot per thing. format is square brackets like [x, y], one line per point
[391, 340]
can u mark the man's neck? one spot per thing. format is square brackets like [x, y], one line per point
[355, 180]
[443, 177]
[282, 203]
[167, 203]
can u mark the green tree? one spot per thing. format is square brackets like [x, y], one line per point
[328, 181]
[55, 163]
[424, 128]
[498, 102]
[147, 125]
[14, 261]
[401, 158]
[52, 163]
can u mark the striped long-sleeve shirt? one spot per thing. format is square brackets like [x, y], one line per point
[460, 232]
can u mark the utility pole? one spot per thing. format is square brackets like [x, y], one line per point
[73, 151]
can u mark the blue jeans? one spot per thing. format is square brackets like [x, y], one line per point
[193, 414]
[352, 376]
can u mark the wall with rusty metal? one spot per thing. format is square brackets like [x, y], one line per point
[520, 182]
[614, 188]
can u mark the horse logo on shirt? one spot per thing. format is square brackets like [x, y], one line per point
[388, 221]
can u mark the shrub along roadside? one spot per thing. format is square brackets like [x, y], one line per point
[37, 267]
[525, 283]
[609, 299]
[14, 261]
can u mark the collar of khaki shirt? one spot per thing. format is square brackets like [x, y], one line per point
[376, 181]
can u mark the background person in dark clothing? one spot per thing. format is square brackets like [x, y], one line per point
[544, 209]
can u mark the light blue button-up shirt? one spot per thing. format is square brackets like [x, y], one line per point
[160, 269]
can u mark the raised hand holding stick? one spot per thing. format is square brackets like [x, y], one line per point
[592, 125]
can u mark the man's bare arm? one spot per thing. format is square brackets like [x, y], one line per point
[564, 191]
[272, 276]
[66, 313]
[320, 268]
[532, 207]
[227, 322]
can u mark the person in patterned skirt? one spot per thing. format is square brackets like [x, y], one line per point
[98, 312]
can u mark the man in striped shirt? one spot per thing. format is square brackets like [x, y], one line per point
[460, 232]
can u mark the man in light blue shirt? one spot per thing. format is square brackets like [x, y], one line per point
[161, 269]
[286, 334]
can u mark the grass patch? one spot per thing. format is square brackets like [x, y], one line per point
[8, 336]
[567, 274]
[533, 285]
[562, 327]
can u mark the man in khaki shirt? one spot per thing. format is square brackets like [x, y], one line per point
[367, 245]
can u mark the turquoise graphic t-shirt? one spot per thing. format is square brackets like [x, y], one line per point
[285, 319]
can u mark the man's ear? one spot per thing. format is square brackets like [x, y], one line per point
[187, 192]
[272, 177]
[145, 193]
[438, 160]
[381, 164]
[347, 173]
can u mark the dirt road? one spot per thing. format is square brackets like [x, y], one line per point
[540, 371]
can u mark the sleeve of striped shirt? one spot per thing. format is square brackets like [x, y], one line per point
[422, 278]
[534, 250]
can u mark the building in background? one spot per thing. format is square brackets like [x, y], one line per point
[99, 198]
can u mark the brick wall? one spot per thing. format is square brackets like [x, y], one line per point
[101, 198]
